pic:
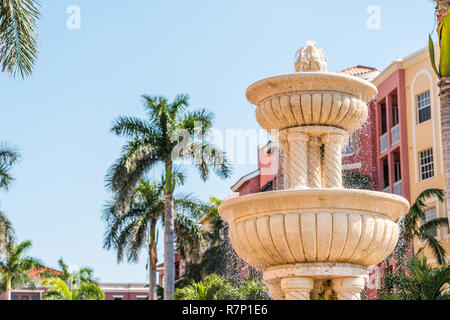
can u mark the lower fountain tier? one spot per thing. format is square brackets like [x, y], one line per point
[288, 227]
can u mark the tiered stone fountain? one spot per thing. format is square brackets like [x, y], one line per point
[313, 240]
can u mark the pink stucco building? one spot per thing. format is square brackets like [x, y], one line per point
[125, 291]
[360, 153]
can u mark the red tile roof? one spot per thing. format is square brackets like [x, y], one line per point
[358, 70]
[37, 271]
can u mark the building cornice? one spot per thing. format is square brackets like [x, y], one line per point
[398, 64]
[403, 63]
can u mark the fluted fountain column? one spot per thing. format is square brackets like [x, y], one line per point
[286, 165]
[348, 288]
[298, 141]
[275, 290]
[297, 288]
[314, 162]
[333, 142]
[294, 143]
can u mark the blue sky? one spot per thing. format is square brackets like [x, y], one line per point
[60, 118]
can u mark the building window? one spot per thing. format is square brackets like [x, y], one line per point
[426, 164]
[430, 214]
[35, 298]
[117, 297]
[142, 298]
[24, 297]
[14, 297]
[424, 107]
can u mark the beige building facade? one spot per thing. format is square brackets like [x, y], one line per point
[424, 139]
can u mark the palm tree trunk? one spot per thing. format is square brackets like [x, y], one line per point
[169, 263]
[153, 295]
[8, 287]
[152, 263]
[444, 85]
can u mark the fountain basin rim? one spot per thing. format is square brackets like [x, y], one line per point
[310, 82]
[332, 200]
[316, 270]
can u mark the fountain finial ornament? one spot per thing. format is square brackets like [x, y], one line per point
[313, 239]
[311, 58]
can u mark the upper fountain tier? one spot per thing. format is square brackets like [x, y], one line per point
[311, 96]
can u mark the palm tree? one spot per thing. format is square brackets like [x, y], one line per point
[18, 36]
[127, 233]
[169, 133]
[76, 278]
[133, 230]
[415, 225]
[8, 157]
[420, 281]
[211, 215]
[15, 267]
[215, 258]
[443, 19]
[58, 289]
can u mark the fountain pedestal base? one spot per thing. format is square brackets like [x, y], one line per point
[316, 281]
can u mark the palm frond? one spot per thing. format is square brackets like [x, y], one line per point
[435, 246]
[207, 157]
[136, 159]
[127, 231]
[133, 128]
[86, 275]
[18, 36]
[188, 205]
[138, 237]
[155, 107]
[7, 233]
[53, 295]
[432, 192]
[56, 288]
[17, 265]
[416, 215]
[177, 178]
[435, 223]
[179, 104]
[8, 157]
[189, 236]
[198, 121]
[22, 247]
[64, 269]
[119, 230]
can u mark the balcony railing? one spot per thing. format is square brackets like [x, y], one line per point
[398, 188]
[384, 143]
[395, 135]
